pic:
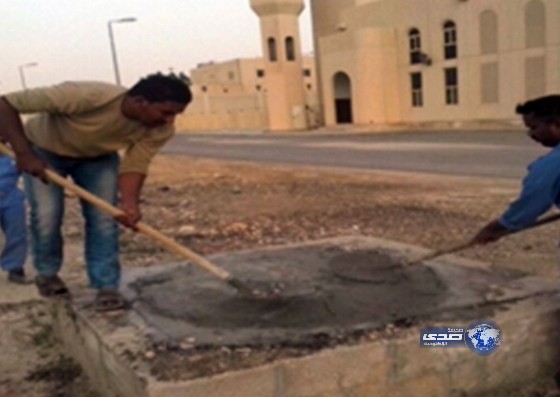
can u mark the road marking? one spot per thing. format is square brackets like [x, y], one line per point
[233, 141]
[364, 146]
[407, 146]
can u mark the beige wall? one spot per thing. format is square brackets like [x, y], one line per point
[368, 40]
[231, 96]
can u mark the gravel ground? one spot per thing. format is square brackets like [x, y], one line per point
[212, 207]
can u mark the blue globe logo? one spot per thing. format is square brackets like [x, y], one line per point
[483, 337]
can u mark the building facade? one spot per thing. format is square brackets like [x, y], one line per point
[231, 95]
[433, 61]
[449, 63]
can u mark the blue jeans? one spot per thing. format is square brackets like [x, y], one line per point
[12, 222]
[46, 201]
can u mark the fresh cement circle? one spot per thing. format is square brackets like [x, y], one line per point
[322, 289]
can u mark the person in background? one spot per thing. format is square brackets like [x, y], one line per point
[541, 186]
[12, 222]
[78, 131]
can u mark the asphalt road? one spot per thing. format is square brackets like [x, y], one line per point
[494, 154]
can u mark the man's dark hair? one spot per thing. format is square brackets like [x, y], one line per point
[544, 107]
[161, 88]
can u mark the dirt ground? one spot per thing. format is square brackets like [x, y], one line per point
[216, 207]
[213, 207]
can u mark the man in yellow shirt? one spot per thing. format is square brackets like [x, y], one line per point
[77, 130]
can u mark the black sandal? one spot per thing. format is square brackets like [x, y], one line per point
[51, 287]
[18, 277]
[109, 300]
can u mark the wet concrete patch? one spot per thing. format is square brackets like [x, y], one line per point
[320, 289]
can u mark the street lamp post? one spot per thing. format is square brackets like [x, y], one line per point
[113, 48]
[22, 74]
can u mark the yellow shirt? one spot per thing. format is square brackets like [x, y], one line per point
[84, 119]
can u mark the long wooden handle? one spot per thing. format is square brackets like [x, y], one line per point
[142, 227]
[459, 247]
[445, 251]
[543, 221]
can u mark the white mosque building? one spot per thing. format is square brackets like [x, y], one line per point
[407, 62]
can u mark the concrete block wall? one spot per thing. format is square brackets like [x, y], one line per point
[110, 374]
[392, 365]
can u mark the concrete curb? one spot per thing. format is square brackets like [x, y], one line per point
[111, 351]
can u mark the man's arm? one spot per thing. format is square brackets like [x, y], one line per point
[133, 170]
[12, 131]
[130, 186]
[541, 186]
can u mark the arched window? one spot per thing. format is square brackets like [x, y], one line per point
[415, 46]
[290, 50]
[272, 52]
[488, 32]
[535, 24]
[535, 76]
[449, 40]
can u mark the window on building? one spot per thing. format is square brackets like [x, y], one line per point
[260, 73]
[535, 76]
[450, 40]
[490, 83]
[258, 87]
[309, 87]
[416, 89]
[415, 46]
[488, 32]
[204, 89]
[231, 75]
[451, 86]
[290, 49]
[272, 51]
[535, 24]
[307, 72]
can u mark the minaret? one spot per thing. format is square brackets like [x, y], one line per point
[285, 96]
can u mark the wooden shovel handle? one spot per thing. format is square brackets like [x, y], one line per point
[142, 227]
[445, 251]
[459, 247]
[543, 221]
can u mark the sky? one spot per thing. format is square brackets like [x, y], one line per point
[69, 39]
